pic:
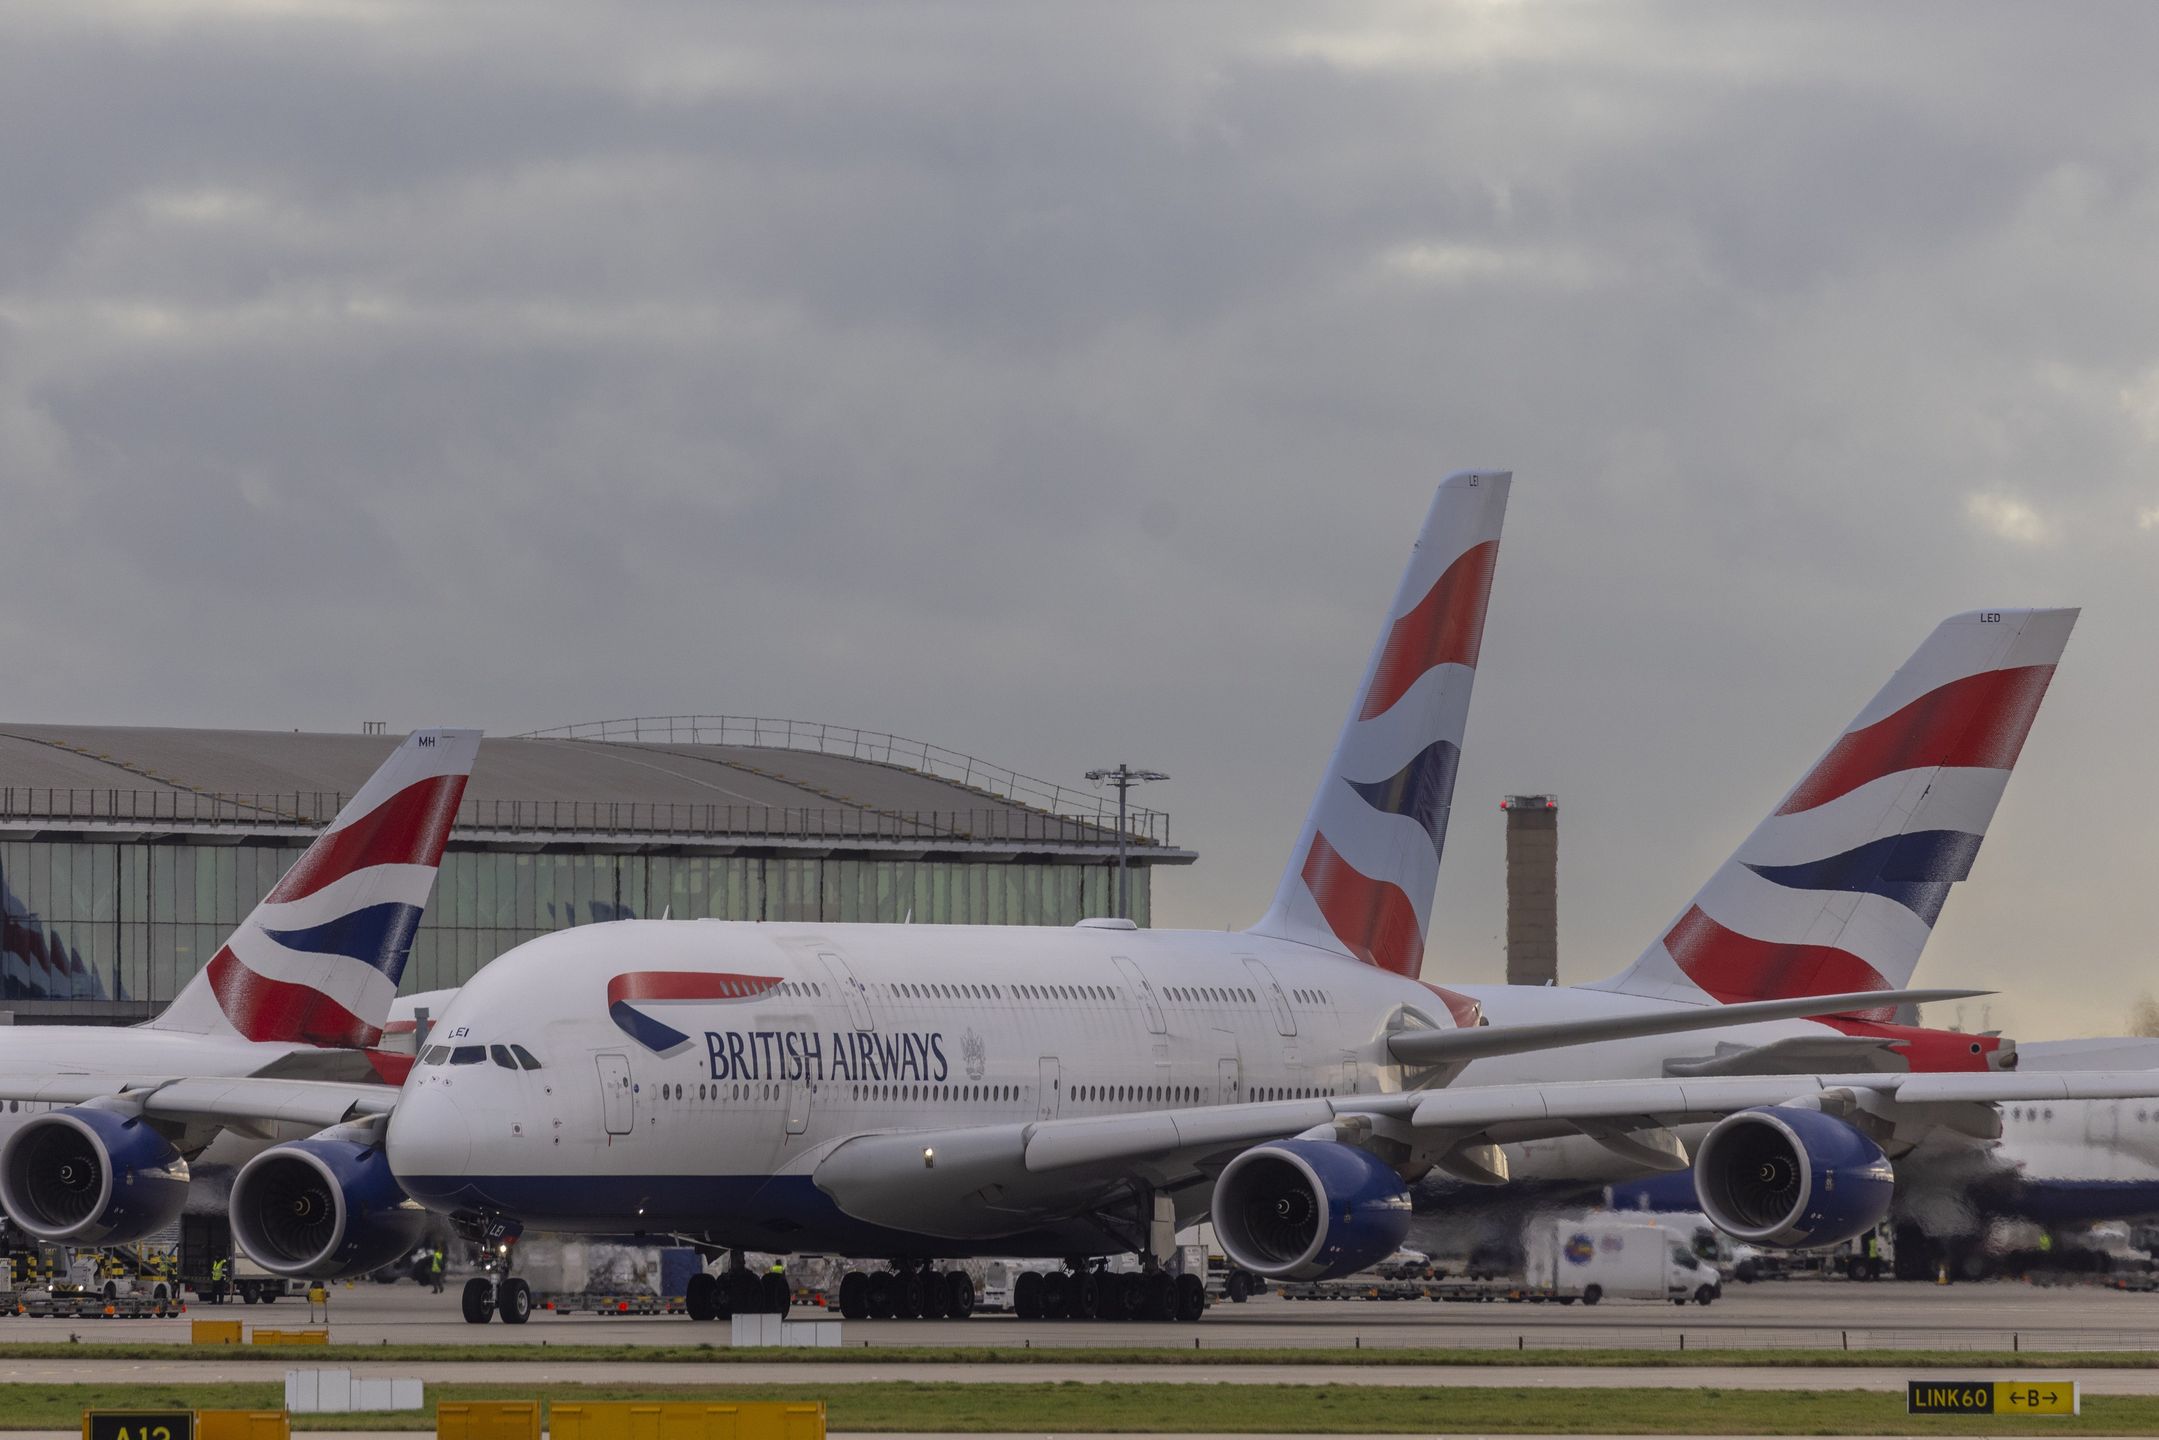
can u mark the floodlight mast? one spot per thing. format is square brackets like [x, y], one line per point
[1124, 777]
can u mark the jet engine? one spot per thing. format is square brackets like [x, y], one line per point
[1309, 1210]
[324, 1207]
[1791, 1178]
[89, 1175]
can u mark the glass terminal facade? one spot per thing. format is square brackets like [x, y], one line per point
[124, 924]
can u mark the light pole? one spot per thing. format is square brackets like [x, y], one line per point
[1124, 777]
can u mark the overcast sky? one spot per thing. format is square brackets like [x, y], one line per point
[1063, 384]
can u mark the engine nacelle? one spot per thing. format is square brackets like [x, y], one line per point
[324, 1207]
[1309, 1210]
[1791, 1178]
[91, 1176]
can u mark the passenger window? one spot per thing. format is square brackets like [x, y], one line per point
[468, 1054]
[500, 1054]
[524, 1057]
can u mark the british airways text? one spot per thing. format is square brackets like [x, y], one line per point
[840, 1055]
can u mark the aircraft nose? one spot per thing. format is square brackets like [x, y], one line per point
[430, 1143]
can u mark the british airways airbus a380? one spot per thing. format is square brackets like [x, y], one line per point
[917, 1094]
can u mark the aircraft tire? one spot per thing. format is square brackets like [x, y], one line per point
[1191, 1298]
[907, 1296]
[881, 1285]
[959, 1295]
[778, 1294]
[1027, 1295]
[513, 1301]
[1056, 1290]
[854, 1296]
[1161, 1296]
[701, 1296]
[1086, 1295]
[1114, 1301]
[478, 1301]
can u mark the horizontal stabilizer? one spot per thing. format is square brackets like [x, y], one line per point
[1452, 1047]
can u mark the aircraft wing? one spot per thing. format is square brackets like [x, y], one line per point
[1443, 1047]
[978, 1180]
[254, 1104]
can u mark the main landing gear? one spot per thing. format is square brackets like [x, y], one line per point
[736, 1291]
[911, 1290]
[1079, 1292]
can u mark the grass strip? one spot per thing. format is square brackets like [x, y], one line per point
[720, 1354]
[1075, 1408]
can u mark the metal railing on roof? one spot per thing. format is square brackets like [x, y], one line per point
[1001, 825]
[854, 744]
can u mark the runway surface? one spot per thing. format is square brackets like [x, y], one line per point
[815, 1377]
[1798, 1314]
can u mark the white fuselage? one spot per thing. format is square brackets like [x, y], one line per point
[710, 1116]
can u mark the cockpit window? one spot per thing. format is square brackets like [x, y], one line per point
[468, 1054]
[524, 1057]
[435, 1055]
[500, 1054]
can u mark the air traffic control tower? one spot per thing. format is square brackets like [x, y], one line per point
[1532, 889]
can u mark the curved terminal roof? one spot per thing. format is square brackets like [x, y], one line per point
[552, 790]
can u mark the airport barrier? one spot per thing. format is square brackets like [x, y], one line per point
[242, 1425]
[338, 1392]
[686, 1420]
[487, 1420]
[214, 1332]
[320, 1336]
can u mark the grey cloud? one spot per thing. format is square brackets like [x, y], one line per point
[1063, 383]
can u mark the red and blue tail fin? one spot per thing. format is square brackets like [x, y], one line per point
[1361, 878]
[318, 961]
[1839, 888]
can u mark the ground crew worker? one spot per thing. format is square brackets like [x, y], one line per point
[434, 1268]
[218, 1267]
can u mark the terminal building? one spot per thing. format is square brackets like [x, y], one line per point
[127, 855]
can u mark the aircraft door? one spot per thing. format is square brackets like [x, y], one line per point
[618, 1102]
[799, 1094]
[843, 978]
[2102, 1122]
[1230, 1080]
[1051, 1094]
[1141, 991]
[1285, 1019]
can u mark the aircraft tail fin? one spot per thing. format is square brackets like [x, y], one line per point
[1360, 880]
[318, 961]
[1838, 889]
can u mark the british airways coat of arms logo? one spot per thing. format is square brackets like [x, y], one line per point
[974, 1056]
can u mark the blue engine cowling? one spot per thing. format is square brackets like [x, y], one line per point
[324, 1207]
[1309, 1210]
[91, 1176]
[1791, 1178]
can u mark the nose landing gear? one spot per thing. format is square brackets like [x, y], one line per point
[489, 1295]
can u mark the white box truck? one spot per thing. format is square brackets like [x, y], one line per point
[1616, 1256]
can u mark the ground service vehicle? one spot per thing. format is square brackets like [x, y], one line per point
[1619, 1257]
